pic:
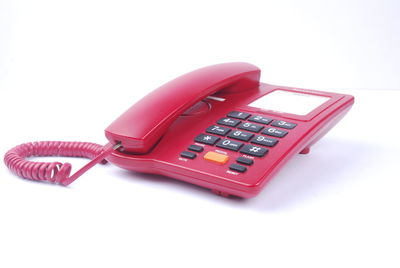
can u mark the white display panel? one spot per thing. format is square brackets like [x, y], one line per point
[289, 102]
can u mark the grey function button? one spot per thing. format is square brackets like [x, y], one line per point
[238, 168]
[245, 160]
[189, 155]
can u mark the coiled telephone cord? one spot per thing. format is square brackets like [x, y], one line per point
[54, 172]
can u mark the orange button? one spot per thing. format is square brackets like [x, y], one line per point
[216, 157]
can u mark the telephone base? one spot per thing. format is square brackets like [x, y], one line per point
[252, 129]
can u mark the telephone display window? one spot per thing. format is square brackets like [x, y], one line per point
[289, 102]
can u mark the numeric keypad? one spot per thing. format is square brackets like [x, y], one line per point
[236, 139]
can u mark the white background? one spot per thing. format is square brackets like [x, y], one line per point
[67, 69]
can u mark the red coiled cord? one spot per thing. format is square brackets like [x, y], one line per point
[54, 172]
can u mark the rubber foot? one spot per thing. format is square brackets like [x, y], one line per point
[305, 150]
[223, 194]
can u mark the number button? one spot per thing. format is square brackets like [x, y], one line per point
[251, 127]
[206, 139]
[228, 122]
[240, 135]
[283, 124]
[238, 115]
[218, 130]
[262, 140]
[229, 144]
[254, 150]
[274, 132]
[260, 119]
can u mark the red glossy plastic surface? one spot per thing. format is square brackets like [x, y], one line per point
[162, 106]
[176, 133]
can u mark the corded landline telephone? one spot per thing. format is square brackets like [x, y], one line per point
[217, 127]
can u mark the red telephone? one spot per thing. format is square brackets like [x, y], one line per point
[220, 128]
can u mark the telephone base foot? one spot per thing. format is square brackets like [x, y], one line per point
[305, 150]
[223, 194]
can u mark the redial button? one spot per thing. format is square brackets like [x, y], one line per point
[216, 158]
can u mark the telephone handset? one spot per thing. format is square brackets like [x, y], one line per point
[244, 132]
[142, 125]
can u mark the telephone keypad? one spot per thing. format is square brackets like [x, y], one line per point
[283, 124]
[238, 115]
[229, 144]
[206, 139]
[228, 122]
[240, 135]
[251, 127]
[218, 130]
[238, 140]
